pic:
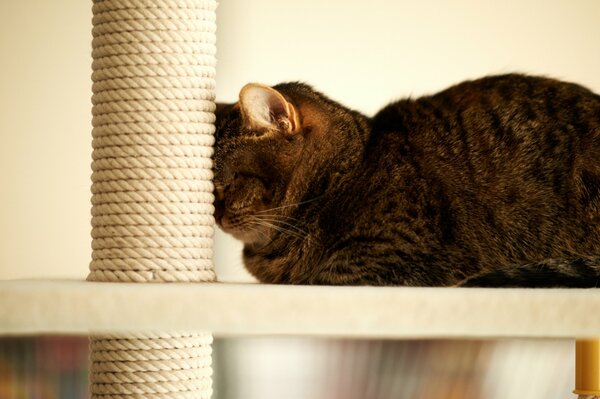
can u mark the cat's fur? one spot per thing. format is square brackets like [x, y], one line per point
[494, 181]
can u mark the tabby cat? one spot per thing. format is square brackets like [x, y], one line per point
[492, 182]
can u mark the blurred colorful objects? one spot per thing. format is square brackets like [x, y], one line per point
[43, 367]
[48, 367]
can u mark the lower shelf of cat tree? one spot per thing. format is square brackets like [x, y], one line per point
[79, 307]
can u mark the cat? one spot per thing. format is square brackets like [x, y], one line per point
[491, 182]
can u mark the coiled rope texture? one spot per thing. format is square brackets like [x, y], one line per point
[153, 123]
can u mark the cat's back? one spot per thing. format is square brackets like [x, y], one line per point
[503, 99]
[494, 122]
[510, 156]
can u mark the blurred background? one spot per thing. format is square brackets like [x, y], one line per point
[361, 54]
[297, 368]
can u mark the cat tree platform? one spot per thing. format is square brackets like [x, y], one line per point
[79, 307]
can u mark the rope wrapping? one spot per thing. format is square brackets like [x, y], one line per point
[153, 104]
[151, 366]
[153, 124]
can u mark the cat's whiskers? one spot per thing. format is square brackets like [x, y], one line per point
[257, 230]
[281, 229]
[284, 219]
[276, 220]
[290, 205]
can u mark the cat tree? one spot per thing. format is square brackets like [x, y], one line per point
[153, 103]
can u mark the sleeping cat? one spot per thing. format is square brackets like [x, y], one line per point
[492, 182]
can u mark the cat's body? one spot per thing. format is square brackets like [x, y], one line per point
[470, 183]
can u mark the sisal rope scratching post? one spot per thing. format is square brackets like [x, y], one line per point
[153, 103]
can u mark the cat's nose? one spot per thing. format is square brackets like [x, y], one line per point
[219, 201]
[219, 211]
[219, 191]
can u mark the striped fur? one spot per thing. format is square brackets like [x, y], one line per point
[494, 181]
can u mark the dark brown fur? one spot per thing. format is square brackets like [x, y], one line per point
[477, 180]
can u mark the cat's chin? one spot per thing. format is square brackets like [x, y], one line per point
[247, 237]
[252, 237]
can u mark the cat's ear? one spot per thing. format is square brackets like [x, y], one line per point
[265, 108]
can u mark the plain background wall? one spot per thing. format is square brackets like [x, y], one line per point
[360, 53]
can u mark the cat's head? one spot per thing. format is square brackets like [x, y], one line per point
[260, 144]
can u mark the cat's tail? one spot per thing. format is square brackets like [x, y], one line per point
[577, 272]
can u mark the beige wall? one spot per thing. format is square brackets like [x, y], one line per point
[361, 53]
[45, 137]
